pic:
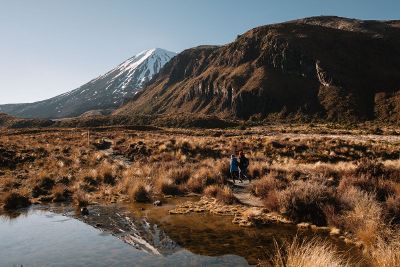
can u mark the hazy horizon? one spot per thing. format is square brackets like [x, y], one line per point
[51, 47]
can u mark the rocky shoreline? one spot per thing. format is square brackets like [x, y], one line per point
[247, 216]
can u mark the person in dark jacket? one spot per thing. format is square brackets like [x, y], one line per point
[243, 165]
[234, 168]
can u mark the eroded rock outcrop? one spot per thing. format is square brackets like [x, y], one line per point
[323, 67]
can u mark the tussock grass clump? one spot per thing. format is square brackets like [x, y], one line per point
[385, 252]
[180, 175]
[370, 167]
[267, 184]
[363, 216]
[195, 184]
[140, 192]
[60, 193]
[392, 208]
[167, 186]
[203, 177]
[222, 168]
[305, 201]
[14, 201]
[222, 193]
[107, 173]
[171, 179]
[43, 186]
[267, 188]
[80, 199]
[258, 169]
[378, 185]
[88, 180]
[212, 190]
[308, 253]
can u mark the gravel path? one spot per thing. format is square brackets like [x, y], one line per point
[242, 192]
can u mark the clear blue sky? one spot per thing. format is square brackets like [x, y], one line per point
[48, 47]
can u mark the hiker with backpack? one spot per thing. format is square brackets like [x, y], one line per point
[243, 165]
[234, 168]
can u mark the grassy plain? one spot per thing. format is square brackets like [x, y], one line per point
[342, 177]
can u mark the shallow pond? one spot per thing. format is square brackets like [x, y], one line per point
[136, 235]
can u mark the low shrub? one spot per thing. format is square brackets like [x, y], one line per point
[222, 193]
[202, 178]
[106, 174]
[80, 199]
[267, 184]
[43, 186]
[60, 193]
[167, 186]
[14, 200]
[140, 192]
[257, 169]
[370, 167]
[376, 185]
[305, 201]
[179, 175]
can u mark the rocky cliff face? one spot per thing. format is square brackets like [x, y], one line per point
[322, 67]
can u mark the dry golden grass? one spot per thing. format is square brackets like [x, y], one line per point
[267, 184]
[81, 199]
[139, 191]
[308, 253]
[364, 216]
[60, 193]
[385, 252]
[222, 193]
[167, 186]
[180, 175]
[305, 171]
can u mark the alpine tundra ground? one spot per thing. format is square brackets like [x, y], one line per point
[331, 177]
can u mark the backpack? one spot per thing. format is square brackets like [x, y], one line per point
[245, 163]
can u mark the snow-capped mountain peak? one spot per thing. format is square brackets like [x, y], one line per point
[147, 63]
[138, 68]
[106, 92]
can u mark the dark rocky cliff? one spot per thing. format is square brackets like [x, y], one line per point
[328, 68]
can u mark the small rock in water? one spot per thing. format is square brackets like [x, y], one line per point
[84, 211]
[157, 203]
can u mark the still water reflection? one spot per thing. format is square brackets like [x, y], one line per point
[132, 236]
[42, 238]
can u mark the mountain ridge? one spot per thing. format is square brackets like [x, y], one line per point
[329, 68]
[105, 93]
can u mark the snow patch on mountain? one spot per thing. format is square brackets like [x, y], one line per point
[107, 91]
